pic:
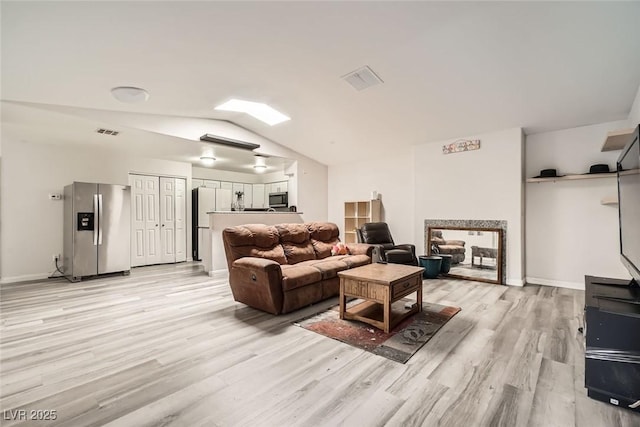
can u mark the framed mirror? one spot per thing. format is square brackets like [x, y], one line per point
[475, 253]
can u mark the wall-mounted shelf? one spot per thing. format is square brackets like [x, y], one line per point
[609, 200]
[573, 177]
[617, 139]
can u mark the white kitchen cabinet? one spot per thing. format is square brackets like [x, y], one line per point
[258, 196]
[211, 184]
[226, 185]
[278, 187]
[248, 196]
[195, 183]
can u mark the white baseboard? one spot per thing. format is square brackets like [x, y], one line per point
[24, 278]
[515, 282]
[219, 274]
[557, 283]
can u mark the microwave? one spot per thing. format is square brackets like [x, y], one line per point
[278, 200]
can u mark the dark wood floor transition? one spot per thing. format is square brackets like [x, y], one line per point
[169, 346]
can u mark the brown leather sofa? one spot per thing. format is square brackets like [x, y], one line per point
[281, 268]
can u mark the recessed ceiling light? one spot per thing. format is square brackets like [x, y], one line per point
[207, 160]
[129, 94]
[260, 111]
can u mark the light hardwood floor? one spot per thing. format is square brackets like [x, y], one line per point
[169, 346]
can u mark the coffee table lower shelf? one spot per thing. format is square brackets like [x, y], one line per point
[372, 313]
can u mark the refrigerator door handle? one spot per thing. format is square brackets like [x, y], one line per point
[95, 223]
[100, 219]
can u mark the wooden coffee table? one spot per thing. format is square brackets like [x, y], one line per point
[380, 285]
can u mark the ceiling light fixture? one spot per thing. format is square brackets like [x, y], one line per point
[260, 111]
[260, 165]
[129, 94]
[207, 160]
[228, 141]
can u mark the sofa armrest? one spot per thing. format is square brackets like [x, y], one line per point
[377, 253]
[361, 249]
[257, 282]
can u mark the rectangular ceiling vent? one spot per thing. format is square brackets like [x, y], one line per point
[229, 142]
[108, 132]
[362, 78]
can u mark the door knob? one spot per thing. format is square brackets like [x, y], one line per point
[156, 225]
[163, 225]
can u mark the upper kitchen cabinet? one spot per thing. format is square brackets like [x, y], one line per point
[278, 187]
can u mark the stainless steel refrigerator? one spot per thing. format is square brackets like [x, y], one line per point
[205, 200]
[97, 229]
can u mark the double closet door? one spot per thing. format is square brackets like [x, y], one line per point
[158, 220]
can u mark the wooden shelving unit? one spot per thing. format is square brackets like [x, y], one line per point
[573, 177]
[356, 214]
[616, 139]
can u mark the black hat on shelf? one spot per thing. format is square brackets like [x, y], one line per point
[548, 173]
[599, 168]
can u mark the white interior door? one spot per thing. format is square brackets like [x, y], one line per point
[167, 219]
[145, 224]
[180, 215]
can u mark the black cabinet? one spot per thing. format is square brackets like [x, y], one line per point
[612, 330]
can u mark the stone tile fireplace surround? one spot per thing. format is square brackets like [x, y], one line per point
[472, 223]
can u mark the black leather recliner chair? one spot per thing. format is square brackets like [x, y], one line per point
[378, 234]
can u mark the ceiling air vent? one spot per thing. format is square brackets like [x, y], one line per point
[362, 78]
[108, 132]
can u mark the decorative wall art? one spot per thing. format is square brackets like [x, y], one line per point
[461, 145]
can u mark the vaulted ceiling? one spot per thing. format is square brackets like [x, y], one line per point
[450, 69]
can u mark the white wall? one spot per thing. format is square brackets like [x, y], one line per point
[484, 184]
[391, 177]
[569, 233]
[634, 114]
[31, 223]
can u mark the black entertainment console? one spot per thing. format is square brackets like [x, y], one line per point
[612, 330]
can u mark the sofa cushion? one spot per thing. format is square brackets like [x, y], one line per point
[451, 249]
[324, 235]
[254, 240]
[354, 261]
[328, 267]
[295, 242]
[296, 276]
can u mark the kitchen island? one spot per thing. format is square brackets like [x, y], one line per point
[214, 259]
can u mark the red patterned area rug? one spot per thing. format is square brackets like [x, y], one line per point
[399, 344]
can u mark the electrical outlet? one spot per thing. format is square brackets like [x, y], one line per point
[56, 257]
[55, 196]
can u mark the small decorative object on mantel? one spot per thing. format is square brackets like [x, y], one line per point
[461, 145]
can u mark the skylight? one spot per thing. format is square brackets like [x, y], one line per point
[260, 111]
